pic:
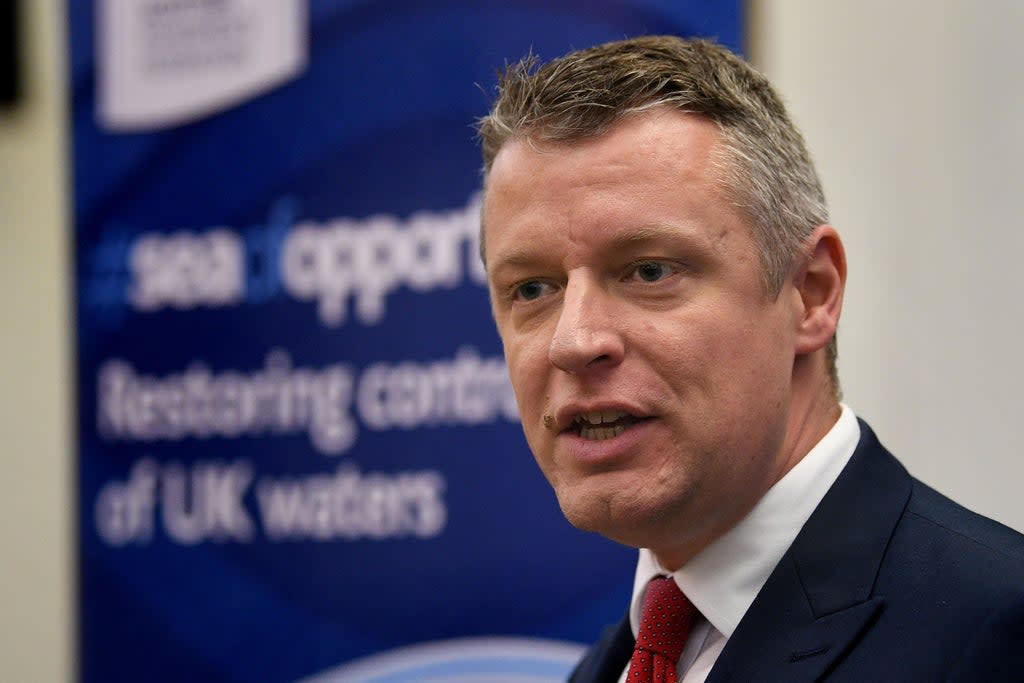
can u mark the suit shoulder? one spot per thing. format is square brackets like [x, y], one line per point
[953, 585]
[975, 535]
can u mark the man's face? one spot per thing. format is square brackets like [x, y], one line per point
[652, 372]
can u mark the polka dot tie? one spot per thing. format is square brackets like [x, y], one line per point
[665, 624]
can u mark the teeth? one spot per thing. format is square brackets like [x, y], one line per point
[600, 433]
[596, 417]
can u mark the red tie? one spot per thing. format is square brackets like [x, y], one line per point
[664, 626]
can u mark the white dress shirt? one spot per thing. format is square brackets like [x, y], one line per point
[724, 578]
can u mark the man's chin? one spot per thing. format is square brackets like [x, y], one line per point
[636, 521]
[597, 515]
[588, 514]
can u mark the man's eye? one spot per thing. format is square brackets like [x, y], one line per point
[652, 271]
[530, 290]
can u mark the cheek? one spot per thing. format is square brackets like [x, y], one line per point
[718, 363]
[527, 376]
[691, 347]
[529, 372]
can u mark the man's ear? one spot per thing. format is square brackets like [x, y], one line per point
[820, 281]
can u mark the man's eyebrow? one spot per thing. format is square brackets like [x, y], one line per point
[525, 256]
[656, 233]
[651, 233]
[518, 257]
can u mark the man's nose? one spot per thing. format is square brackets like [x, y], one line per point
[587, 335]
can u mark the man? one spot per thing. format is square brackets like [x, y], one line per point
[667, 289]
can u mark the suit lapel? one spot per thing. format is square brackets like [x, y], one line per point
[608, 658]
[819, 599]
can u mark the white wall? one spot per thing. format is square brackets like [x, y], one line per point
[914, 111]
[917, 141]
[36, 496]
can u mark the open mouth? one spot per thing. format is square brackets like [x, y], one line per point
[599, 425]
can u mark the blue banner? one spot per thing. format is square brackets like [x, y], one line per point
[299, 453]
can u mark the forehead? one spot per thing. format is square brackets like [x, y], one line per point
[655, 169]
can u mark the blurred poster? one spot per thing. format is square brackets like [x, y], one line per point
[164, 63]
[299, 455]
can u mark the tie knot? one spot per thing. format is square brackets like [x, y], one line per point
[666, 618]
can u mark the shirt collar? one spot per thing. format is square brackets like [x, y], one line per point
[724, 578]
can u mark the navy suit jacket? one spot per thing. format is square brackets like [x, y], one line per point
[887, 581]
